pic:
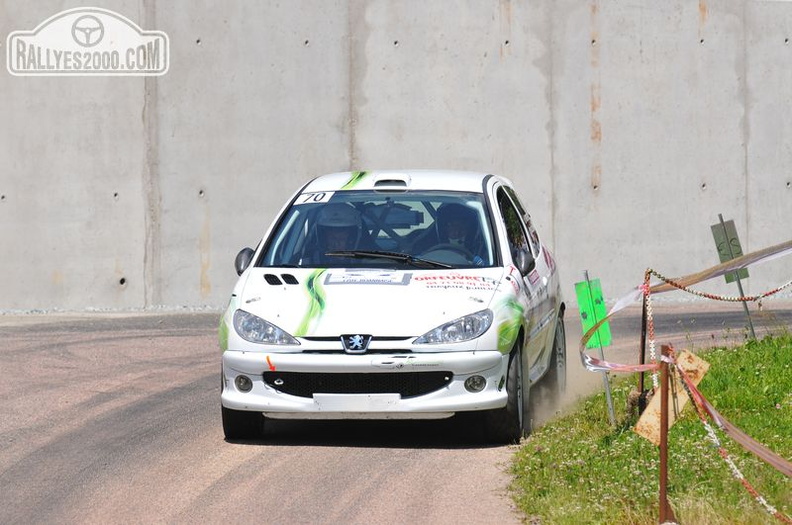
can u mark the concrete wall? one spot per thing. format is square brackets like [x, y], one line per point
[627, 129]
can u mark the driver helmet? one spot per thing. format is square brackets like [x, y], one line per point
[455, 222]
[339, 226]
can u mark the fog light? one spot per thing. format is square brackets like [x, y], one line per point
[475, 384]
[243, 383]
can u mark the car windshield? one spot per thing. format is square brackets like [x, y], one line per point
[375, 229]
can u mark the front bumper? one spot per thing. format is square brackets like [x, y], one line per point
[346, 378]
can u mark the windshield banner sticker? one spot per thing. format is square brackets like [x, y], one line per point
[368, 277]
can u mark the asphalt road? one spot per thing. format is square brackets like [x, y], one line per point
[112, 418]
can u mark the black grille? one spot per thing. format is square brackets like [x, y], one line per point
[408, 384]
[289, 279]
[388, 351]
[272, 279]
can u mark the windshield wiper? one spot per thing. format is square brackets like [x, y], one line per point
[394, 256]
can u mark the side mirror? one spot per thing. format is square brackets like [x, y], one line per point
[243, 259]
[525, 262]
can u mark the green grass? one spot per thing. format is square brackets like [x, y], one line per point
[578, 469]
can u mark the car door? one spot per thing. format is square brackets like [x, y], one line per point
[532, 286]
[546, 274]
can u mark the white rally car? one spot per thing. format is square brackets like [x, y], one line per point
[386, 295]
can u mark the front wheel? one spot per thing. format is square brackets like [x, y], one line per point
[510, 423]
[240, 424]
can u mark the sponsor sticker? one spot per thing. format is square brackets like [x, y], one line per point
[459, 281]
[549, 260]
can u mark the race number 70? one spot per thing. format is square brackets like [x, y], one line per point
[315, 197]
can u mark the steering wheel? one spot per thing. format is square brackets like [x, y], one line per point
[456, 248]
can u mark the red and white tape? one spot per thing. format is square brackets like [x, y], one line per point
[703, 407]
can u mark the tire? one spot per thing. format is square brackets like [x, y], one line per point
[556, 378]
[239, 424]
[512, 422]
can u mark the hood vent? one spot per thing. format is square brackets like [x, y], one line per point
[274, 280]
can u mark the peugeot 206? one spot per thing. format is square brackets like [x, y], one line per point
[394, 295]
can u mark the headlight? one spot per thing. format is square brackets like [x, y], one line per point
[462, 329]
[257, 330]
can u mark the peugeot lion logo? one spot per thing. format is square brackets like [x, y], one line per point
[355, 343]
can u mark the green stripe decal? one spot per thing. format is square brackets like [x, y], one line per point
[223, 335]
[316, 298]
[224, 329]
[508, 330]
[356, 177]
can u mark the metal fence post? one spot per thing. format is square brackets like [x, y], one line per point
[666, 514]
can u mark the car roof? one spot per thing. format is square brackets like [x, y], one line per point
[468, 181]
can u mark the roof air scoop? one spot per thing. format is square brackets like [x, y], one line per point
[392, 180]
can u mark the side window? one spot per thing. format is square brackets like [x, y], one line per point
[518, 241]
[532, 235]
